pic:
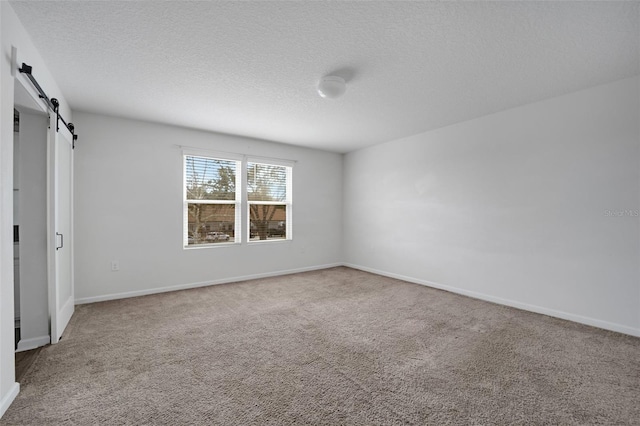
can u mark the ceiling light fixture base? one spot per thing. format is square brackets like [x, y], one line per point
[331, 87]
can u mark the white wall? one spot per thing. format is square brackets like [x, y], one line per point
[12, 33]
[128, 207]
[34, 321]
[519, 207]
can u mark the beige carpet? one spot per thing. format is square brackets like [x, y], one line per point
[336, 346]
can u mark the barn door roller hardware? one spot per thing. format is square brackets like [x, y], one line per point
[52, 103]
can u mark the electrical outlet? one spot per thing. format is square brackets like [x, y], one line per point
[115, 266]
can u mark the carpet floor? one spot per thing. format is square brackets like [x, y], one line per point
[330, 347]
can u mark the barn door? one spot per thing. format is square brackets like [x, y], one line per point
[60, 207]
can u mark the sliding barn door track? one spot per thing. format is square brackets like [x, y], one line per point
[52, 103]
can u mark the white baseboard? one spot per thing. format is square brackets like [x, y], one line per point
[476, 295]
[512, 303]
[32, 343]
[8, 398]
[157, 290]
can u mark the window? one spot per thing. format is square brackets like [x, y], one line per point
[269, 201]
[211, 200]
[216, 199]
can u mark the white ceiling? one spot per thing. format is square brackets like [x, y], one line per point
[250, 68]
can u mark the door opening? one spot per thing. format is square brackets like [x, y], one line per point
[30, 221]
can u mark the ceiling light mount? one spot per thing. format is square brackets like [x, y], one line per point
[331, 87]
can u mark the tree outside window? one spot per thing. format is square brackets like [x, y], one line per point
[269, 199]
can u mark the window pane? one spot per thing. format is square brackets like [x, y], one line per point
[211, 223]
[266, 182]
[267, 222]
[210, 179]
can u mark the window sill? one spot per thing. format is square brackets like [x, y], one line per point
[259, 242]
[212, 245]
[255, 243]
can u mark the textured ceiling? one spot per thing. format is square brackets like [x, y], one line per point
[250, 68]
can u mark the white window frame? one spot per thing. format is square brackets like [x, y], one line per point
[237, 202]
[288, 165]
[242, 203]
